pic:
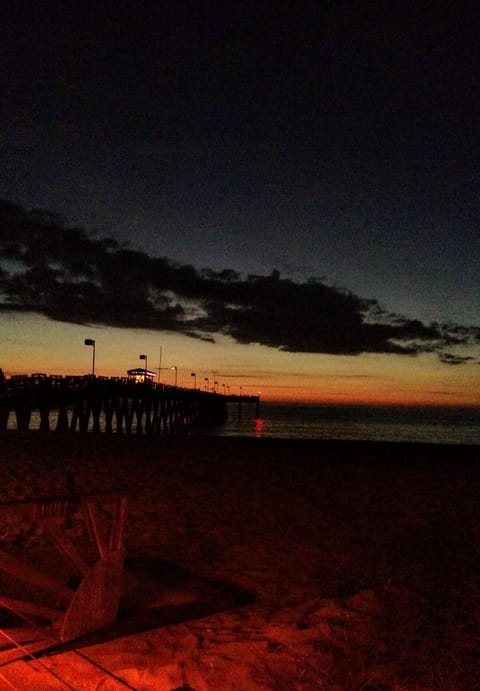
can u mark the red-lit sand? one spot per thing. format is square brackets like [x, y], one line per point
[362, 561]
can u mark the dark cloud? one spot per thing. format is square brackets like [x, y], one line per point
[450, 359]
[61, 272]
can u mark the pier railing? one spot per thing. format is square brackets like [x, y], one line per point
[108, 404]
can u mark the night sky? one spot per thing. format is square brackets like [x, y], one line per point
[327, 155]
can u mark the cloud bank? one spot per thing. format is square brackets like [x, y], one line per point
[61, 272]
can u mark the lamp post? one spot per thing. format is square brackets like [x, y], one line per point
[176, 371]
[91, 342]
[194, 375]
[207, 383]
[144, 357]
[159, 364]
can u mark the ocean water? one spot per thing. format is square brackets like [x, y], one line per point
[347, 422]
[370, 423]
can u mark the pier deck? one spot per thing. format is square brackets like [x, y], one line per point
[109, 404]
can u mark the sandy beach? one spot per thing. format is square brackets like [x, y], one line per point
[278, 564]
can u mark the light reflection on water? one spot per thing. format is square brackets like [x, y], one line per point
[371, 423]
[259, 427]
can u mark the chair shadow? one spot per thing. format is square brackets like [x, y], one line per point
[160, 593]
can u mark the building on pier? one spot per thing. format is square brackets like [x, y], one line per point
[140, 375]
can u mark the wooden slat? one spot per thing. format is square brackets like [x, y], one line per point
[16, 653]
[22, 635]
[29, 574]
[53, 506]
[93, 523]
[95, 603]
[50, 508]
[25, 607]
[116, 537]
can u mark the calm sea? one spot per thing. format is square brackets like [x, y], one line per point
[371, 423]
[366, 423]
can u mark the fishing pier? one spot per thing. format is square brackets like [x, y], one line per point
[111, 405]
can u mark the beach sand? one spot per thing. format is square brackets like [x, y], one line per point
[278, 564]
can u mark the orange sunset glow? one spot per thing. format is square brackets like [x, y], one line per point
[35, 344]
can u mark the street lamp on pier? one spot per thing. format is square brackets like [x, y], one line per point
[176, 371]
[91, 342]
[207, 380]
[194, 375]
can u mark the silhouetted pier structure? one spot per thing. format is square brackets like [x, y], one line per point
[110, 405]
[245, 400]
